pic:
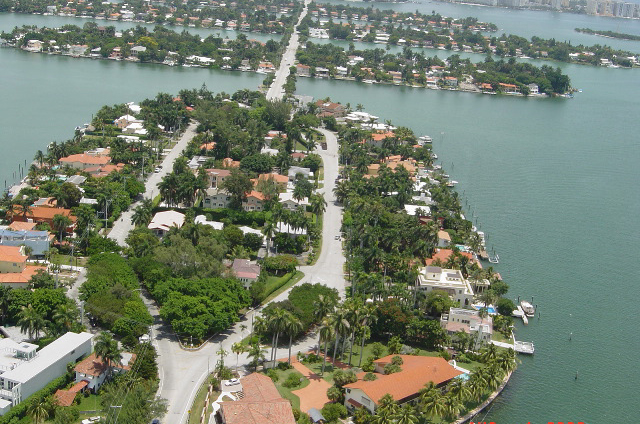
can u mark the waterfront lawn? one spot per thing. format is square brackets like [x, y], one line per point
[499, 337]
[286, 392]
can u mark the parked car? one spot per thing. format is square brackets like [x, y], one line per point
[232, 382]
[158, 169]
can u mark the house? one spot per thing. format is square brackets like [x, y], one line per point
[396, 77]
[136, 128]
[245, 271]
[444, 239]
[442, 255]
[303, 70]
[253, 202]
[93, 369]
[217, 176]
[469, 321]
[136, 50]
[508, 88]
[34, 46]
[39, 214]
[266, 68]
[12, 259]
[451, 81]
[76, 180]
[295, 170]
[533, 89]
[198, 161]
[403, 386]
[341, 71]
[230, 163]
[316, 416]
[280, 180]
[261, 403]
[288, 202]
[322, 72]
[330, 109]
[432, 278]
[83, 161]
[162, 222]
[216, 198]
[25, 371]
[201, 219]
[378, 138]
[13, 236]
[125, 120]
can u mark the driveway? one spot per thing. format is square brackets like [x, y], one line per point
[315, 394]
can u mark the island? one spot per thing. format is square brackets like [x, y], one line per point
[609, 34]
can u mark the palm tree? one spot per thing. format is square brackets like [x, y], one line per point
[107, 349]
[293, 326]
[489, 353]
[39, 157]
[387, 404]
[31, 321]
[458, 389]
[340, 325]
[222, 354]
[383, 416]
[326, 334]
[268, 231]
[451, 406]
[493, 375]
[334, 393]
[65, 316]
[142, 213]
[407, 415]
[353, 316]
[237, 348]
[39, 411]
[61, 223]
[318, 204]
[5, 302]
[257, 354]
[367, 316]
[321, 307]
[507, 360]
[277, 322]
[431, 400]
[477, 385]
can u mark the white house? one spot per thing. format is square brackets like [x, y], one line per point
[163, 221]
[450, 280]
[25, 371]
[444, 239]
[288, 202]
[94, 369]
[216, 198]
[295, 170]
[201, 219]
[469, 321]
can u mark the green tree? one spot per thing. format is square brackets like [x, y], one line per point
[237, 348]
[293, 327]
[31, 321]
[237, 185]
[257, 355]
[60, 224]
[107, 348]
[142, 213]
[39, 410]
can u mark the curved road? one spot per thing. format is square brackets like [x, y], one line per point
[182, 372]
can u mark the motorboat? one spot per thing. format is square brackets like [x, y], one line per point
[528, 308]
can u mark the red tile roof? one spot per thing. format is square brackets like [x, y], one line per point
[12, 254]
[86, 159]
[40, 213]
[20, 277]
[416, 372]
[443, 255]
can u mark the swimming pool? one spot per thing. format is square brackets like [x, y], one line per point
[490, 309]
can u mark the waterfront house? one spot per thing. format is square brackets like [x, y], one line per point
[330, 109]
[403, 386]
[451, 81]
[508, 88]
[341, 71]
[260, 403]
[246, 271]
[533, 89]
[162, 222]
[303, 70]
[469, 321]
[23, 371]
[216, 198]
[266, 68]
[34, 46]
[125, 120]
[450, 280]
[83, 161]
[396, 77]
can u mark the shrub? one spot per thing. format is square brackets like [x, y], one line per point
[370, 377]
[392, 368]
[284, 366]
[397, 360]
[333, 411]
[378, 350]
[273, 375]
[368, 365]
[293, 380]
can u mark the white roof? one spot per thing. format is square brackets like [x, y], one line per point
[288, 197]
[413, 209]
[201, 219]
[49, 355]
[249, 230]
[127, 118]
[286, 228]
[166, 219]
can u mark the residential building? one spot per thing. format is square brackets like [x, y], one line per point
[341, 71]
[533, 88]
[217, 176]
[444, 239]
[125, 120]
[469, 321]
[246, 271]
[83, 161]
[260, 403]
[38, 241]
[93, 369]
[403, 386]
[330, 109]
[303, 70]
[396, 77]
[288, 202]
[39, 214]
[12, 259]
[432, 278]
[442, 255]
[201, 219]
[280, 180]
[322, 72]
[162, 222]
[295, 170]
[451, 81]
[216, 198]
[24, 370]
[253, 202]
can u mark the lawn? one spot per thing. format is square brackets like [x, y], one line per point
[198, 403]
[277, 285]
[499, 337]
[285, 392]
[59, 259]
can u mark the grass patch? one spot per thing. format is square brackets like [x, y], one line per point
[499, 337]
[90, 405]
[293, 279]
[286, 392]
[328, 370]
[59, 259]
[198, 401]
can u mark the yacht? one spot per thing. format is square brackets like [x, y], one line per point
[527, 308]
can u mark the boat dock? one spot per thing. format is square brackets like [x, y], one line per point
[519, 313]
[520, 347]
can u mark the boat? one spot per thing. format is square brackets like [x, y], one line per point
[495, 259]
[528, 308]
[425, 138]
[523, 347]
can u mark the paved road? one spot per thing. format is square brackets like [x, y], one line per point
[182, 372]
[276, 91]
[122, 227]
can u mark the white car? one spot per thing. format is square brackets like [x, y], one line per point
[337, 237]
[232, 382]
[158, 169]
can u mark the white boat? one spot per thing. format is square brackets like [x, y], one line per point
[528, 308]
[425, 138]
